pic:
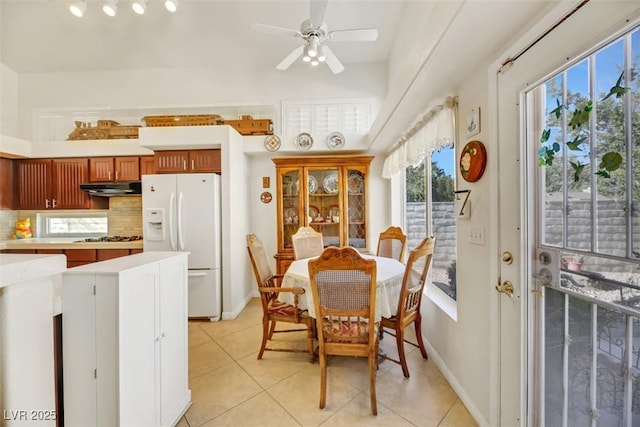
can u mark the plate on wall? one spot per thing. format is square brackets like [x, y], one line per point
[272, 143]
[335, 141]
[473, 160]
[304, 141]
[330, 183]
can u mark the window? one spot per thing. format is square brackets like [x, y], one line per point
[589, 219]
[85, 224]
[348, 115]
[432, 213]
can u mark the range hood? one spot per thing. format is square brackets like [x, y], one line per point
[108, 189]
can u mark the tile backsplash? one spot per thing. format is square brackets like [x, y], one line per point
[125, 218]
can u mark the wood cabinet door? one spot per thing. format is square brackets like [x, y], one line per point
[101, 169]
[205, 161]
[127, 168]
[33, 184]
[147, 165]
[171, 161]
[67, 175]
[6, 183]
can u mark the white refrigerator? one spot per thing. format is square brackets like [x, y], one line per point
[181, 212]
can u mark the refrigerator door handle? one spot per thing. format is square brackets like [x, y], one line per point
[172, 235]
[196, 274]
[180, 238]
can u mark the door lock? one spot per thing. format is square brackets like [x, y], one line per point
[505, 288]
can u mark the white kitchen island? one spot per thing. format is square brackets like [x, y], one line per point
[29, 289]
[125, 341]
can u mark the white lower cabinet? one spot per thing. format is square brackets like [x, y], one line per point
[125, 341]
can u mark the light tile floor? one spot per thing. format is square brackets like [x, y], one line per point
[230, 387]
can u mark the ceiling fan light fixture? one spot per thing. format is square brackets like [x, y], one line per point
[306, 58]
[78, 8]
[139, 6]
[110, 7]
[312, 46]
[171, 5]
[322, 54]
[315, 63]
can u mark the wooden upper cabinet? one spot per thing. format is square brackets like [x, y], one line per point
[51, 184]
[33, 184]
[6, 183]
[147, 165]
[185, 161]
[114, 169]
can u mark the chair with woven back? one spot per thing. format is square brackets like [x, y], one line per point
[307, 243]
[392, 243]
[408, 311]
[344, 295]
[273, 311]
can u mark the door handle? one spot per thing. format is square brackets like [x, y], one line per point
[506, 288]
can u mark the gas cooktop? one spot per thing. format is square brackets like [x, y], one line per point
[110, 239]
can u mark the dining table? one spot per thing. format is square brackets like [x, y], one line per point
[389, 273]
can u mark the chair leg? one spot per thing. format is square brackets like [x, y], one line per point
[310, 343]
[417, 324]
[373, 363]
[323, 380]
[265, 336]
[272, 329]
[400, 344]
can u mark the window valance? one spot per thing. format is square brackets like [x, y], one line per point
[431, 131]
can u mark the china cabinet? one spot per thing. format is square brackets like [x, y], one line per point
[328, 193]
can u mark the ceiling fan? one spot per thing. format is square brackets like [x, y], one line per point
[314, 33]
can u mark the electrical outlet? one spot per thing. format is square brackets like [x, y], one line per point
[476, 235]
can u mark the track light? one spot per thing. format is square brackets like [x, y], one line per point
[139, 6]
[322, 55]
[171, 5]
[78, 8]
[110, 7]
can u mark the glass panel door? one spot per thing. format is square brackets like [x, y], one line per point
[291, 215]
[356, 209]
[323, 211]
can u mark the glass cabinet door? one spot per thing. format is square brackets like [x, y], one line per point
[291, 215]
[356, 209]
[323, 205]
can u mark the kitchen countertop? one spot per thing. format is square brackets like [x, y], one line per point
[16, 268]
[118, 265]
[66, 243]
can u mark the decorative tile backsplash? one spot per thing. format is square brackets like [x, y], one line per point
[125, 218]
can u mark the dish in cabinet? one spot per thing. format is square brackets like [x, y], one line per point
[312, 184]
[290, 216]
[304, 141]
[314, 212]
[355, 183]
[330, 183]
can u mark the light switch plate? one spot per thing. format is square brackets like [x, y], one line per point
[476, 235]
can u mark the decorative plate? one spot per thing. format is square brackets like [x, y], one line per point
[355, 183]
[333, 210]
[313, 184]
[304, 141]
[330, 183]
[335, 141]
[473, 160]
[313, 212]
[265, 197]
[272, 143]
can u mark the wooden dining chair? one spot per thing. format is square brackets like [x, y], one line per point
[408, 311]
[273, 311]
[392, 243]
[344, 295]
[307, 243]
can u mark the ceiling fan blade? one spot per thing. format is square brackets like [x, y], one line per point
[359, 35]
[278, 31]
[318, 10]
[332, 61]
[290, 59]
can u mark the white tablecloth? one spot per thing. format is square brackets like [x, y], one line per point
[389, 275]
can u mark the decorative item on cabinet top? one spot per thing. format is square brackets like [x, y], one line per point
[105, 129]
[246, 125]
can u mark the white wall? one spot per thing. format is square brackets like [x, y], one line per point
[8, 102]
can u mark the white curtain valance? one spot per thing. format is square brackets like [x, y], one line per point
[432, 131]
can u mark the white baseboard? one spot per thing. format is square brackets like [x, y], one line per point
[228, 315]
